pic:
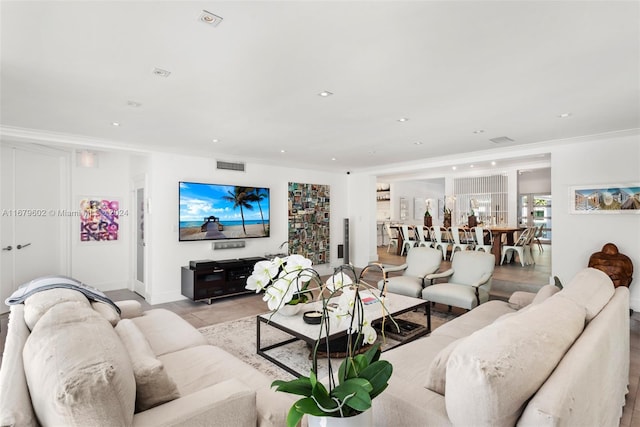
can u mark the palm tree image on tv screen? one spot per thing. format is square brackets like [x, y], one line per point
[221, 212]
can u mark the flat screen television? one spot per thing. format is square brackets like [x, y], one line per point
[221, 212]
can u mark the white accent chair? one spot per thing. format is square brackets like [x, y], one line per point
[438, 242]
[521, 247]
[408, 239]
[421, 261]
[479, 236]
[469, 281]
[393, 240]
[458, 243]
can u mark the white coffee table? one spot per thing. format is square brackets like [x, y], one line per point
[299, 330]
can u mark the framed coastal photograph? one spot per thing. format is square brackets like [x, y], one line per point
[606, 198]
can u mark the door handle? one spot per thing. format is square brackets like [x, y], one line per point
[23, 246]
[8, 248]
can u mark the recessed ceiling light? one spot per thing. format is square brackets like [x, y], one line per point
[478, 131]
[564, 115]
[160, 72]
[333, 158]
[403, 119]
[454, 167]
[210, 19]
[493, 163]
[470, 166]
[133, 104]
[115, 124]
[283, 151]
[215, 140]
[325, 93]
[417, 143]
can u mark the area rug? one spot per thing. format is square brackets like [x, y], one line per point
[238, 337]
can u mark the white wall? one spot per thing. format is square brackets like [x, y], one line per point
[577, 236]
[361, 204]
[536, 181]
[167, 255]
[104, 265]
[417, 189]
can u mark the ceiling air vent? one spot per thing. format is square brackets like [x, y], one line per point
[230, 166]
[501, 140]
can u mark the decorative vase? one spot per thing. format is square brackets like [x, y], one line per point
[290, 310]
[447, 221]
[428, 221]
[364, 419]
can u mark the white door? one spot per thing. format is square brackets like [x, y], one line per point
[139, 245]
[32, 232]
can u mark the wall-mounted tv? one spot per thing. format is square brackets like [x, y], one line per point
[221, 212]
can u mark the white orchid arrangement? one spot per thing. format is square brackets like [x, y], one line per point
[283, 280]
[287, 281]
[361, 377]
[347, 310]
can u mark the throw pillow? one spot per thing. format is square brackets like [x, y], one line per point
[37, 304]
[153, 384]
[77, 369]
[493, 372]
[544, 293]
[590, 288]
[436, 377]
[520, 299]
[106, 311]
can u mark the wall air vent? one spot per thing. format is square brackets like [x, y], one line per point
[230, 166]
[501, 140]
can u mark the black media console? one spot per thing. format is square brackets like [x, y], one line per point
[206, 280]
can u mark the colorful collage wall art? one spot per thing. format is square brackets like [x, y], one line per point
[309, 207]
[99, 220]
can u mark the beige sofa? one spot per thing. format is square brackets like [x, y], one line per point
[71, 362]
[561, 360]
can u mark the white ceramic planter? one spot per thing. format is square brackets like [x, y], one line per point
[290, 310]
[364, 419]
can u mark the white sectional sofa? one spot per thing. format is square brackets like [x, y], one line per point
[562, 360]
[68, 362]
[551, 359]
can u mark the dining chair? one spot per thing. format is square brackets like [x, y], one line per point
[420, 262]
[479, 234]
[408, 240]
[456, 241]
[520, 247]
[528, 252]
[438, 241]
[422, 237]
[536, 237]
[393, 240]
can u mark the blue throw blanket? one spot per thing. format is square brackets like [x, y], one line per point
[51, 282]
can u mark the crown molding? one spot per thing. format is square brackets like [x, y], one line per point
[60, 139]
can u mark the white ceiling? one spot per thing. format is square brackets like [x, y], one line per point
[506, 67]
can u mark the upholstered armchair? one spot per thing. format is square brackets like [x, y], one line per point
[469, 281]
[421, 261]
